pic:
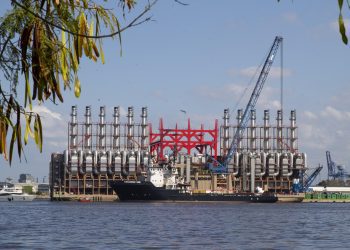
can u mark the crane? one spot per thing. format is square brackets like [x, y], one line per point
[330, 164]
[308, 181]
[303, 186]
[332, 167]
[223, 167]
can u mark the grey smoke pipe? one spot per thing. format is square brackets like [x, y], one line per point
[130, 127]
[73, 128]
[266, 131]
[279, 131]
[226, 130]
[116, 128]
[252, 131]
[239, 120]
[293, 136]
[88, 128]
[102, 128]
[143, 127]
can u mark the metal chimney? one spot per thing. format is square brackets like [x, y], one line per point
[252, 131]
[279, 131]
[293, 127]
[73, 128]
[239, 120]
[88, 128]
[266, 131]
[130, 125]
[144, 128]
[226, 131]
[102, 129]
[116, 128]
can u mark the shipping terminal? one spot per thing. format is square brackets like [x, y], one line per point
[237, 158]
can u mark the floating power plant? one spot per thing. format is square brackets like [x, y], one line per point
[267, 155]
[239, 156]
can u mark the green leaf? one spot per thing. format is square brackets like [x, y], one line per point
[40, 132]
[28, 131]
[101, 53]
[342, 29]
[77, 88]
[27, 92]
[18, 131]
[12, 143]
[36, 131]
[340, 3]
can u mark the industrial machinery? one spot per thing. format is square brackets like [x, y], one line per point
[244, 156]
[335, 171]
[309, 179]
[224, 166]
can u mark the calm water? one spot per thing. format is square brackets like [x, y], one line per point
[68, 225]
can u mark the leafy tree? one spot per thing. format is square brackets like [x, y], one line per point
[42, 43]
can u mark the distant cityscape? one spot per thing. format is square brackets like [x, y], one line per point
[28, 184]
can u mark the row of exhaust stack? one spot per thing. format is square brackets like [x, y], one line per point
[125, 149]
[261, 159]
[108, 155]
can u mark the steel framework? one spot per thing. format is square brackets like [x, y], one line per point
[177, 139]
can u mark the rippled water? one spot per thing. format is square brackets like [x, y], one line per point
[67, 225]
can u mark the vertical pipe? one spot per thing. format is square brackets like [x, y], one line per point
[73, 128]
[116, 129]
[266, 131]
[239, 120]
[229, 182]
[130, 126]
[226, 131]
[252, 131]
[188, 169]
[252, 173]
[102, 129]
[293, 137]
[279, 131]
[144, 128]
[88, 128]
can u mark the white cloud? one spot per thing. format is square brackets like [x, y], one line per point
[54, 126]
[44, 111]
[310, 115]
[275, 72]
[225, 92]
[331, 112]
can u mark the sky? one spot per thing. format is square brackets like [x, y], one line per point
[200, 58]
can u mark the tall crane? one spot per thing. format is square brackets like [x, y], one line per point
[307, 180]
[223, 167]
[332, 167]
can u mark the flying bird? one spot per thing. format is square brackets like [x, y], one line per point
[183, 111]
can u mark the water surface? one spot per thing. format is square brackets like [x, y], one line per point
[67, 225]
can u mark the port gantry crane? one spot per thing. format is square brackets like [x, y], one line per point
[223, 167]
[330, 165]
[340, 174]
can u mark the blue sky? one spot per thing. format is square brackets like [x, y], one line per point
[200, 57]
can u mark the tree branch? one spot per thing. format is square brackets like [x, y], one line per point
[4, 47]
[131, 24]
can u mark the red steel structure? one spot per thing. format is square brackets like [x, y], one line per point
[203, 140]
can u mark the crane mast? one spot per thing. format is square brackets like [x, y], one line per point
[251, 104]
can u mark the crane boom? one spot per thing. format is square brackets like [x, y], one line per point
[330, 165]
[251, 104]
[311, 178]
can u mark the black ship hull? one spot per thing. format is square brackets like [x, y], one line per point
[146, 191]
